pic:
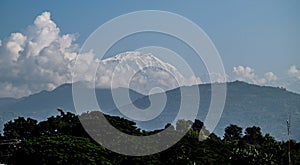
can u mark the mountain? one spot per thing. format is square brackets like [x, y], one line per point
[246, 105]
[44, 104]
[140, 72]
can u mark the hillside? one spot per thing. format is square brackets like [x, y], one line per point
[246, 105]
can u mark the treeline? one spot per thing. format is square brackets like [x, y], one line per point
[61, 139]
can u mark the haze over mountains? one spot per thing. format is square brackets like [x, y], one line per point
[246, 105]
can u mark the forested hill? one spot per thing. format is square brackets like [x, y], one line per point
[246, 105]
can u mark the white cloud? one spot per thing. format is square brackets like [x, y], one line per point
[244, 73]
[8, 88]
[14, 46]
[247, 74]
[270, 76]
[37, 59]
[293, 71]
[42, 34]
[41, 58]
[291, 83]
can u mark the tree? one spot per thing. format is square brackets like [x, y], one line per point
[20, 128]
[253, 135]
[61, 140]
[183, 125]
[63, 124]
[60, 150]
[197, 125]
[233, 132]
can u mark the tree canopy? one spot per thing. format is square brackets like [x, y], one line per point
[61, 139]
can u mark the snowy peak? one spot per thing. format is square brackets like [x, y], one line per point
[138, 59]
[140, 72]
[132, 55]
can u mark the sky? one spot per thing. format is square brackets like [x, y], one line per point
[258, 41]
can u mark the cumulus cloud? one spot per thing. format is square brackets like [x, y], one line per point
[294, 72]
[247, 74]
[244, 73]
[270, 76]
[215, 78]
[41, 58]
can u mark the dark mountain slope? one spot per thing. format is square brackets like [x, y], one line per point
[246, 105]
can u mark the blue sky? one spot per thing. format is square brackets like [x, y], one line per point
[261, 35]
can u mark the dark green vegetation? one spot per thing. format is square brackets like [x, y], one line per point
[62, 140]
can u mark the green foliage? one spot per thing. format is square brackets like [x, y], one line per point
[233, 132]
[60, 150]
[20, 128]
[63, 124]
[61, 139]
[253, 135]
[183, 125]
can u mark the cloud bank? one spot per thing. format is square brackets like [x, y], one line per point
[247, 74]
[290, 82]
[41, 58]
[294, 72]
[38, 58]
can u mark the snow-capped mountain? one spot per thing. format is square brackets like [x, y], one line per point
[138, 61]
[140, 72]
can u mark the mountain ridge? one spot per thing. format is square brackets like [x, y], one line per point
[246, 105]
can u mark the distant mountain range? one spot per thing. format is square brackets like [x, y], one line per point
[246, 105]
